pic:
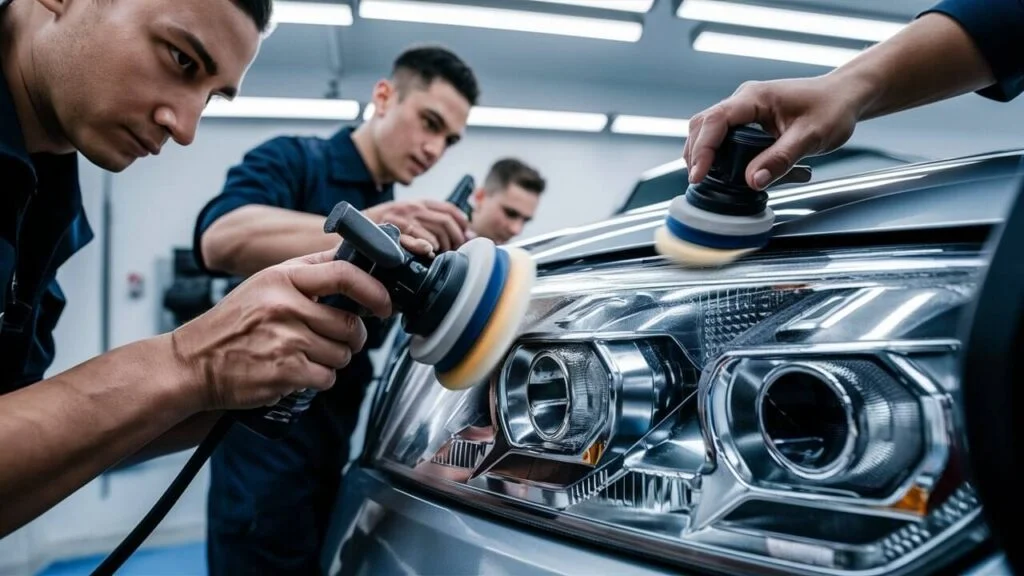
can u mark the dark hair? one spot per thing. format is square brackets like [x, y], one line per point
[258, 10]
[513, 171]
[428, 63]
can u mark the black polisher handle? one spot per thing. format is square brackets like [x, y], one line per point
[366, 246]
[460, 195]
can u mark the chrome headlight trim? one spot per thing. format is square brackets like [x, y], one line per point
[667, 453]
[849, 430]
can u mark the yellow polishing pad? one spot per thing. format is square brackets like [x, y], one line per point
[689, 254]
[500, 329]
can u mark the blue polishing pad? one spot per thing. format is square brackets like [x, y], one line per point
[712, 240]
[477, 323]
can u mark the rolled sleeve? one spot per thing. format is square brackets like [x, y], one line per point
[270, 174]
[997, 28]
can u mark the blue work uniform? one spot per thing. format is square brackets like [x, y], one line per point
[270, 500]
[42, 224]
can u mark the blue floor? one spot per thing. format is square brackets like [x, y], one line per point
[187, 560]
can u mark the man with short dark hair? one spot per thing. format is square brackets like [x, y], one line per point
[114, 80]
[269, 500]
[507, 200]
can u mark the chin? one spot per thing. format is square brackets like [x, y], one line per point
[108, 159]
[110, 162]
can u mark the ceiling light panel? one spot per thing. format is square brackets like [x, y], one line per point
[500, 19]
[537, 119]
[753, 47]
[651, 126]
[320, 13]
[490, 117]
[765, 17]
[637, 6]
[283, 108]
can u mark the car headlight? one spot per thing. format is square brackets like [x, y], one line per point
[781, 415]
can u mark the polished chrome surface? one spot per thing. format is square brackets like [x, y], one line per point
[818, 441]
[548, 398]
[666, 458]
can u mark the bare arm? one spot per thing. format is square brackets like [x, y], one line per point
[188, 434]
[253, 237]
[931, 59]
[60, 433]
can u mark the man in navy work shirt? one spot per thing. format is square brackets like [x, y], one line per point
[114, 81]
[270, 500]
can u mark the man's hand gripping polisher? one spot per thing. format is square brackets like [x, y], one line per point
[721, 218]
[462, 309]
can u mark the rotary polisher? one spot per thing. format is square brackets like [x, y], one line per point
[462, 310]
[721, 218]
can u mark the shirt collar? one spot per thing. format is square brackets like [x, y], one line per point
[12, 141]
[347, 164]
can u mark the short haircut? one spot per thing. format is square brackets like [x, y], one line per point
[430, 62]
[513, 171]
[258, 10]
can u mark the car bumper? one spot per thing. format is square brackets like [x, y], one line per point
[378, 527]
[381, 528]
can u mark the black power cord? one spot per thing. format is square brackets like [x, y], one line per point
[131, 543]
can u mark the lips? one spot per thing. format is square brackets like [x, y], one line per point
[420, 166]
[145, 146]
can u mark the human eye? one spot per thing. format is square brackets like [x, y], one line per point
[183, 60]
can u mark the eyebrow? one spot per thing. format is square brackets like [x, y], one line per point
[516, 213]
[452, 138]
[209, 64]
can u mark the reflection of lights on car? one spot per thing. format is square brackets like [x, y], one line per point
[758, 408]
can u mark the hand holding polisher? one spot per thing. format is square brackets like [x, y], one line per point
[462, 308]
[721, 218]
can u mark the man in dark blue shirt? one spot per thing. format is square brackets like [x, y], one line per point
[114, 81]
[270, 500]
[955, 47]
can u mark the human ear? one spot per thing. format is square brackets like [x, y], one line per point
[383, 93]
[58, 7]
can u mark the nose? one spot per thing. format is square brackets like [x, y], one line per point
[434, 148]
[516, 227]
[180, 122]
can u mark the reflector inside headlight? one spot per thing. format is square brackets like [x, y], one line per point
[789, 414]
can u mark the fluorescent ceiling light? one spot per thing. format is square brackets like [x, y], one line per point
[286, 12]
[638, 6]
[500, 19]
[752, 47]
[283, 108]
[489, 117]
[788, 20]
[651, 126]
[537, 119]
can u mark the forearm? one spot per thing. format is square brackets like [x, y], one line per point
[251, 238]
[184, 436]
[931, 59]
[60, 433]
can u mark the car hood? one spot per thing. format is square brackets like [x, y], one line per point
[956, 193]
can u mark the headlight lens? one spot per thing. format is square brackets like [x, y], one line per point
[787, 415]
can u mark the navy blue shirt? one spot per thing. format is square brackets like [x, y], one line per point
[997, 28]
[42, 223]
[306, 174]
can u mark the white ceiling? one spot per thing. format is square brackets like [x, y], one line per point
[662, 59]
